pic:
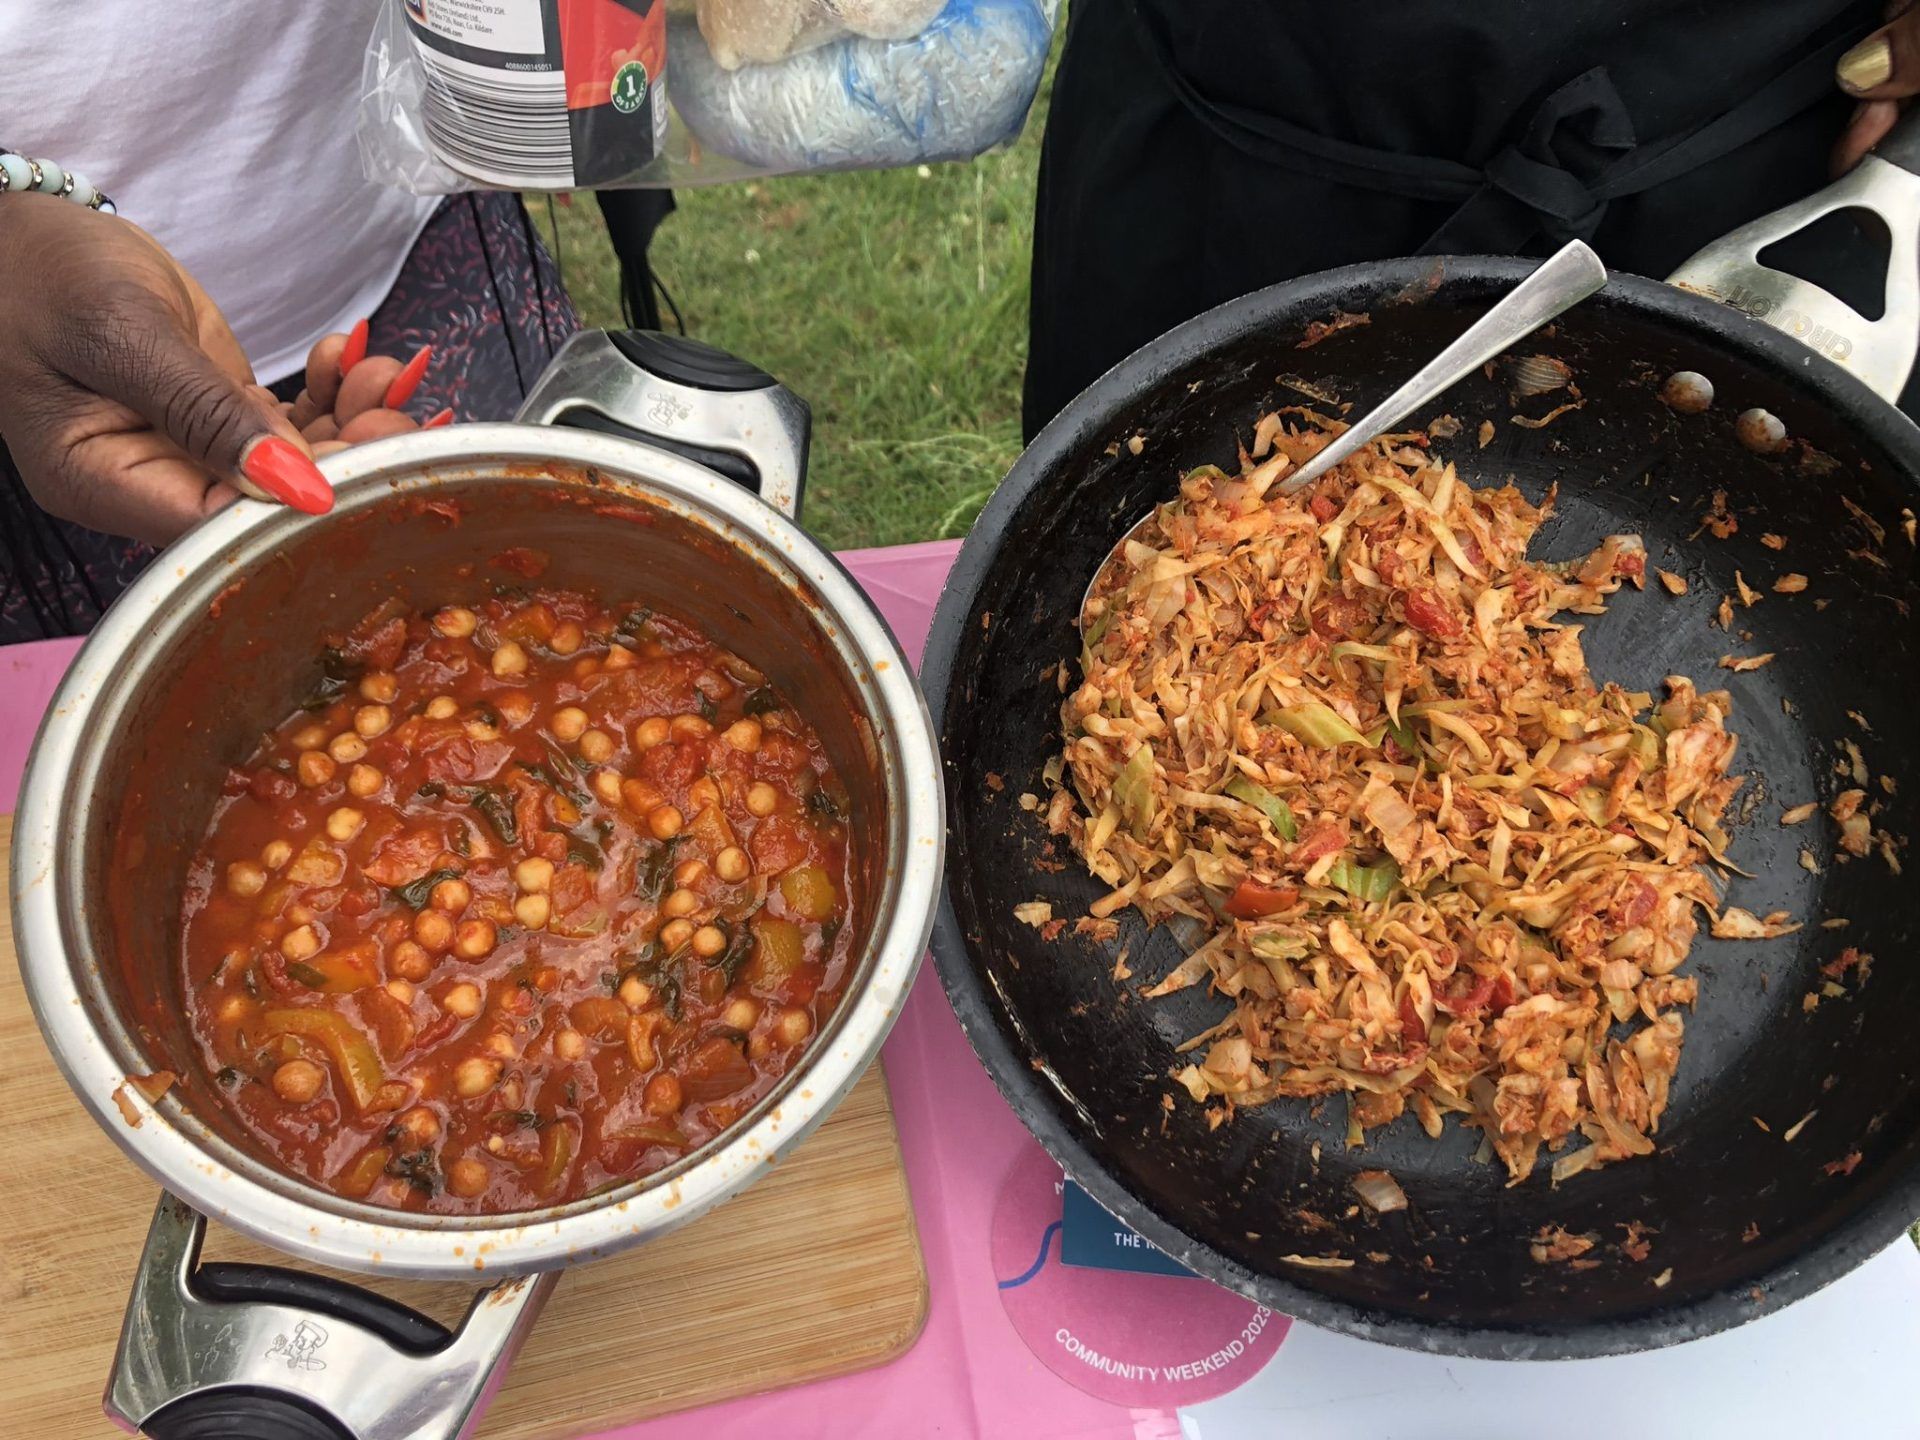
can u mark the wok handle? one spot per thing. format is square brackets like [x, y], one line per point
[218, 1352]
[1880, 353]
[682, 396]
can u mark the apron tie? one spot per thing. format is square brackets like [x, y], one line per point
[1576, 152]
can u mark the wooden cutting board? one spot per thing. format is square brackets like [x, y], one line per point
[815, 1271]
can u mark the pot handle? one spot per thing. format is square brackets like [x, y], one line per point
[1880, 353]
[217, 1351]
[682, 396]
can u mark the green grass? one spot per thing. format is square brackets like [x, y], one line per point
[894, 301]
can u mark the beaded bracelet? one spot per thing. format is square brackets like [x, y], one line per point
[23, 173]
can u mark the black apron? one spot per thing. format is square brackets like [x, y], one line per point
[1200, 149]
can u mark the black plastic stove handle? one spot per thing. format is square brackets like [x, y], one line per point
[401, 1327]
[242, 1413]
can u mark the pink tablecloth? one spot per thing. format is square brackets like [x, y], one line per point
[984, 1194]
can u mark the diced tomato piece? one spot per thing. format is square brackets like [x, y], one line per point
[715, 1069]
[269, 786]
[1318, 840]
[1411, 1025]
[1250, 901]
[1465, 995]
[1323, 508]
[522, 561]
[405, 857]
[1633, 907]
[1429, 614]
[778, 843]
[1340, 617]
[1503, 996]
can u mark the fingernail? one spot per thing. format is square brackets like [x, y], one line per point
[355, 350]
[408, 380]
[1866, 66]
[445, 417]
[287, 475]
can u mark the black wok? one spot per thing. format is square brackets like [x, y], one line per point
[1741, 1219]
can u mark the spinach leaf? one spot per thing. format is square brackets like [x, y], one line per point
[823, 804]
[657, 869]
[337, 672]
[306, 975]
[703, 702]
[761, 702]
[497, 810]
[415, 894]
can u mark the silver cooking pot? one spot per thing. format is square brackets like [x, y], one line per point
[202, 654]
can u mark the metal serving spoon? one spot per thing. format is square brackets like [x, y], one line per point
[1563, 280]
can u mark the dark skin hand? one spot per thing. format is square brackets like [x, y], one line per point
[1883, 73]
[131, 408]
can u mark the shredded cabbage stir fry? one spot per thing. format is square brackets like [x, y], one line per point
[1352, 733]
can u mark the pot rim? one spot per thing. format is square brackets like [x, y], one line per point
[294, 1216]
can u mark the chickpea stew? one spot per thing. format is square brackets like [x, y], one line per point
[525, 901]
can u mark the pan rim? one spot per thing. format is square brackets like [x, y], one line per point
[987, 1022]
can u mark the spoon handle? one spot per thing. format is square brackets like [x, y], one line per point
[1563, 280]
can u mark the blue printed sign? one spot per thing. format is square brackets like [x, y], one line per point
[1090, 1237]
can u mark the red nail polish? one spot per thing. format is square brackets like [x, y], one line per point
[355, 350]
[408, 380]
[287, 475]
[445, 417]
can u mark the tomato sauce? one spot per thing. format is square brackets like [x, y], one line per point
[527, 900]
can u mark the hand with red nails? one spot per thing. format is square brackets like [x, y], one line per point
[1883, 73]
[130, 407]
[351, 396]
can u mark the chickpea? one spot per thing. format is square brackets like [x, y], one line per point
[676, 933]
[401, 990]
[664, 822]
[456, 622]
[650, 732]
[364, 781]
[533, 875]
[246, 879]
[792, 1025]
[502, 1046]
[680, 902]
[515, 707]
[467, 1177]
[276, 854]
[310, 737]
[640, 797]
[475, 939]
[762, 799]
[689, 872]
[433, 930]
[741, 1014]
[347, 747]
[480, 731]
[379, 686]
[345, 823]
[299, 915]
[496, 1145]
[409, 961]
[452, 896]
[533, 911]
[744, 735]
[759, 1046]
[475, 1076]
[569, 1045]
[371, 720]
[688, 727]
[298, 1081]
[442, 707]
[568, 724]
[300, 942]
[708, 941]
[422, 1124]
[462, 1000]
[663, 1095]
[618, 658]
[233, 1010]
[314, 768]
[596, 747]
[567, 637]
[634, 992]
[586, 665]
[703, 793]
[509, 659]
[732, 865]
[606, 784]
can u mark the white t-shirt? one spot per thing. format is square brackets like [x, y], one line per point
[225, 129]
